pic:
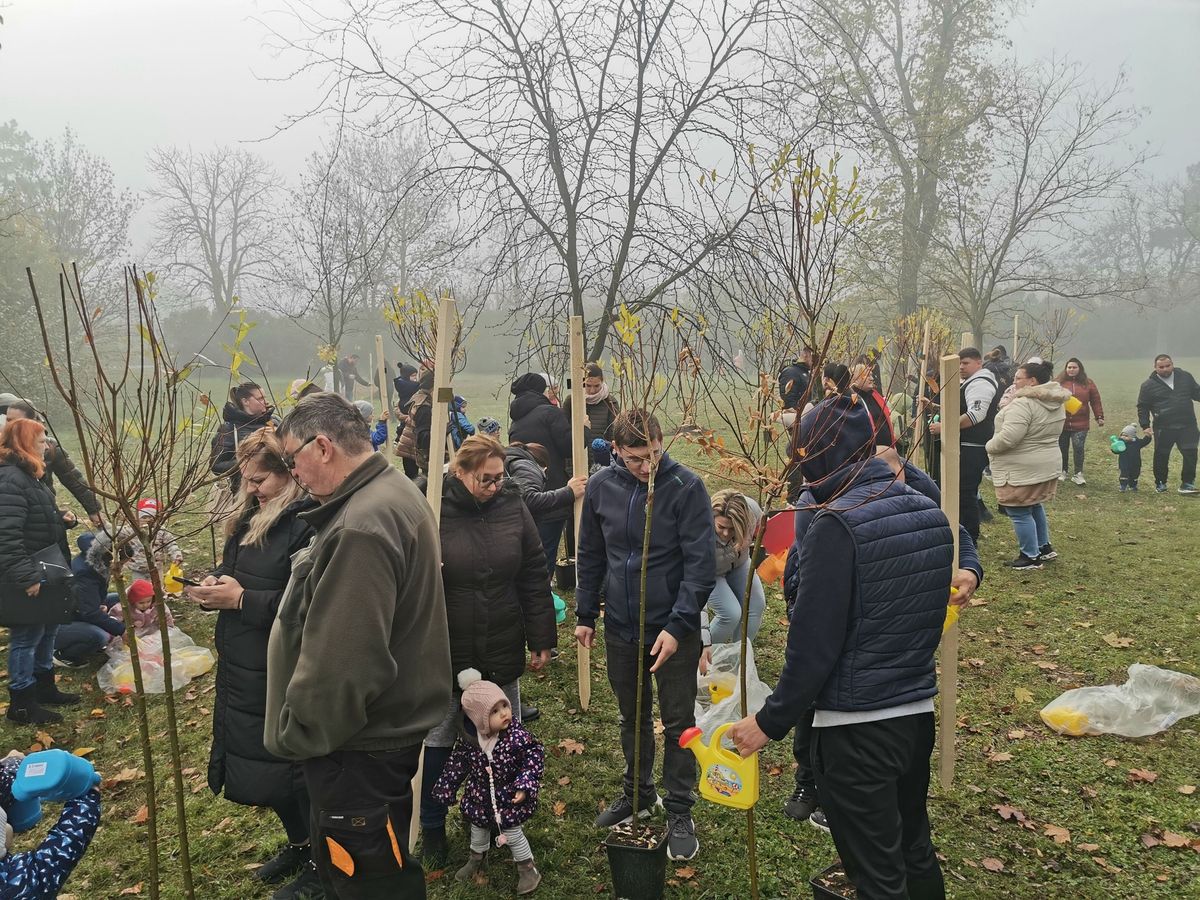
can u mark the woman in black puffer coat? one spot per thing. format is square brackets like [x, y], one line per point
[246, 412]
[29, 524]
[497, 600]
[247, 588]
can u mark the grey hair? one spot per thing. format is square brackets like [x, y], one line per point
[331, 415]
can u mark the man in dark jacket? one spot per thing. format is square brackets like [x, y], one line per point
[533, 419]
[1167, 395]
[680, 574]
[794, 380]
[874, 581]
[348, 376]
[358, 662]
[59, 464]
[92, 627]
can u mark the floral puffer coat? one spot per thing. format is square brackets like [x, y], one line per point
[518, 763]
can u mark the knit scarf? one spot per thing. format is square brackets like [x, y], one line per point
[600, 396]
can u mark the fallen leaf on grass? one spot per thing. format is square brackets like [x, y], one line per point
[1047, 666]
[126, 774]
[1021, 695]
[1111, 763]
[135, 889]
[1017, 734]
[1087, 848]
[564, 781]
[775, 771]
[1171, 839]
[560, 808]
[83, 752]
[1088, 793]
[992, 864]
[44, 739]
[1142, 776]
[685, 872]
[1115, 640]
[1188, 789]
[97, 713]
[1009, 813]
[571, 746]
[1058, 834]
[139, 817]
[976, 663]
[1000, 757]
[1103, 863]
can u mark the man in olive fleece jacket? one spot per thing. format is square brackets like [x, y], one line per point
[358, 664]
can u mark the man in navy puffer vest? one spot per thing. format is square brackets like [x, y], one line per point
[875, 570]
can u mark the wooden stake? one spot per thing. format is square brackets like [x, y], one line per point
[948, 656]
[918, 430]
[579, 463]
[384, 398]
[443, 395]
[1016, 336]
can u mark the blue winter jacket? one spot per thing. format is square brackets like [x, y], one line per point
[91, 596]
[682, 553]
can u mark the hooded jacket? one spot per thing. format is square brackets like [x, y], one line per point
[91, 573]
[496, 585]
[1172, 408]
[794, 380]
[238, 763]
[523, 469]
[1089, 395]
[405, 387]
[873, 583]
[235, 428]
[533, 419]
[359, 655]
[681, 570]
[29, 523]
[1024, 449]
[518, 763]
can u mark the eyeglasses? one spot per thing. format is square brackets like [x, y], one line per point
[488, 481]
[640, 461]
[289, 459]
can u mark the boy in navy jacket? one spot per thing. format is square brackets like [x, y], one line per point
[679, 577]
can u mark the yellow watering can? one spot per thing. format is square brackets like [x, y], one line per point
[725, 777]
[172, 584]
[951, 614]
[1072, 405]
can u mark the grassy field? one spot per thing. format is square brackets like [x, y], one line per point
[1031, 814]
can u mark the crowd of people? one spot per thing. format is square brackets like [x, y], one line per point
[357, 633]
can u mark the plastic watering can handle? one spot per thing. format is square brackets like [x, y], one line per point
[714, 744]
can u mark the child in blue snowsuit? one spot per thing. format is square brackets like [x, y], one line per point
[459, 426]
[40, 874]
[1129, 458]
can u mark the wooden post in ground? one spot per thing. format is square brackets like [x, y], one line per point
[918, 430]
[1016, 336]
[579, 463]
[384, 401]
[948, 654]
[443, 395]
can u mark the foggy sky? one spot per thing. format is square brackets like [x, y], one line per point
[130, 74]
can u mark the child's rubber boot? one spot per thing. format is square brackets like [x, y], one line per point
[47, 691]
[473, 867]
[528, 877]
[24, 708]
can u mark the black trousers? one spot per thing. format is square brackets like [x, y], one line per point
[802, 750]
[676, 681]
[873, 779]
[361, 806]
[1165, 439]
[972, 462]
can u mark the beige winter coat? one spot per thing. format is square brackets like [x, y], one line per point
[1025, 449]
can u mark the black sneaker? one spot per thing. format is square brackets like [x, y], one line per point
[306, 887]
[1025, 563]
[620, 811]
[802, 803]
[65, 663]
[284, 864]
[434, 850]
[681, 836]
[818, 820]
[1046, 553]
[529, 713]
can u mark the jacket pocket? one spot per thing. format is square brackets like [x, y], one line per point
[360, 843]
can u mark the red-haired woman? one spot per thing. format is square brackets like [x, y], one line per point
[29, 524]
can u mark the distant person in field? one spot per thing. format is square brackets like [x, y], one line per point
[794, 380]
[979, 399]
[347, 370]
[1128, 449]
[534, 419]
[1166, 397]
[1075, 429]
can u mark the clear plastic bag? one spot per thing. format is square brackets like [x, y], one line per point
[187, 662]
[719, 697]
[1152, 700]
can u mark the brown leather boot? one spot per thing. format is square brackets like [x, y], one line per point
[528, 877]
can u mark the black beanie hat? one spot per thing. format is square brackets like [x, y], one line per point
[529, 382]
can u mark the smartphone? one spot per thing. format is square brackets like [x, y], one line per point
[190, 582]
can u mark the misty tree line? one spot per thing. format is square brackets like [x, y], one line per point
[864, 157]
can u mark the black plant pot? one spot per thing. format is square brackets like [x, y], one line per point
[564, 575]
[638, 872]
[821, 892]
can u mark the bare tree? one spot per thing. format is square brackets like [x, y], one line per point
[907, 80]
[609, 136]
[1010, 231]
[83, 214]
[215, 220]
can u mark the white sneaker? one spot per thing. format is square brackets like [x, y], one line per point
[1078, 478]
[1062, 476]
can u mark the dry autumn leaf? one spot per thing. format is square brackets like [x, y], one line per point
[571, 746]
[564, 781]
[1115, 640]
[1017, 734]
[1058, 834]
[1171, 839]
[1009, 813]
[1087, 848]
[44, 739]
[1142, 776]
[83, 752]
[139, 817]
[1188, 789]
[134, 889]
[560, 808]
[1021, 695]
[685, 872]
[999, 757]
[992, 864]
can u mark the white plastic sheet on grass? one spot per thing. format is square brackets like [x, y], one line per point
[187, 662]
[1152, 700]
